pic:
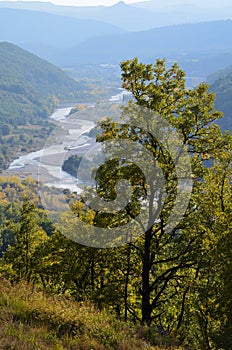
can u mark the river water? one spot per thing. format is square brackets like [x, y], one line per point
[68, 138]
[45, 165]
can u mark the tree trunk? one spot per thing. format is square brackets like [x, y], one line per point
[146, 290]
[127, 283]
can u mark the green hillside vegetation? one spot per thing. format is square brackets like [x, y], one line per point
[41, 314]
[221, 85]
[29, 86]
[29, 90]
[71, 165]
[171, 288]
[31, 319]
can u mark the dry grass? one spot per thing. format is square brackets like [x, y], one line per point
[31, 319]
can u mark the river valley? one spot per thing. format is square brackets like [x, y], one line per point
[45, 165]
[68, 138]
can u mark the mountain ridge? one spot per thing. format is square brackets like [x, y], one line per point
[26, 26]
[130, 17]
[205, 38]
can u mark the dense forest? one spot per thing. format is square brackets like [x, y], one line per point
[166, 288]
[30, 88]
[141, 257]
[221, 84]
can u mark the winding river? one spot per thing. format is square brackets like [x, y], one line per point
[68, 138]
[45, 165]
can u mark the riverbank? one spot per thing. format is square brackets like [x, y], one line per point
[68, 138]
[45, 164]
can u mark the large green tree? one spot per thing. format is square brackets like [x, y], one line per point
[169, 260]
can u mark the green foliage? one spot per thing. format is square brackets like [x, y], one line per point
[170, 261]
[177, 284]
[28, 236]
[25, 74]
[30, 88]
[221, 85]
[71, 165]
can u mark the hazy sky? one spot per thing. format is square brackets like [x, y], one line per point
[159, 3]
[86, 2]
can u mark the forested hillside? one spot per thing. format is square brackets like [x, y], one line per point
[30, 87]
[221, 84]
[115, 220]
[45, 313]
[173, 284]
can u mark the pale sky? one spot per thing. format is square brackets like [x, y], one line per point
[159, 3]
[86, 2]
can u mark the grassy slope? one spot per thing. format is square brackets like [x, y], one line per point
[30, 319]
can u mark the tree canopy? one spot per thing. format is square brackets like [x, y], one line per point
[174, 281]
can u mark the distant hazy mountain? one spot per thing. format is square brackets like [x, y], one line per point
[120, 15]
[221, 84]
[189, 11]
[187, 43]
[43, 32]
[135, 17]
[200, 48]
[209, 4]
